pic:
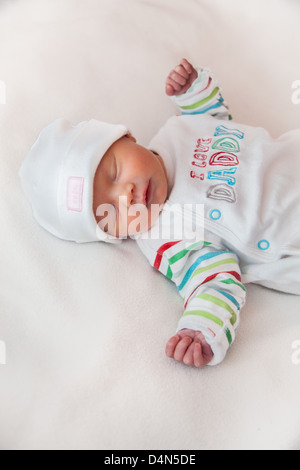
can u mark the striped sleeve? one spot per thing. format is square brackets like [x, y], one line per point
[204, 97]
[209, 280]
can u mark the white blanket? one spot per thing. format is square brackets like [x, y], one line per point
[85, 326]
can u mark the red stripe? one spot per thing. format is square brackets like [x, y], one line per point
[210, 278]
[233, 273]
[161, 251]
[207, 86]
[236, 275]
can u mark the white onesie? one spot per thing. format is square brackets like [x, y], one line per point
[248, 186]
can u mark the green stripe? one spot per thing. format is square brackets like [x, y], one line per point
[215, 265]
[219, 303]
[228, 335]
[231, 281]
[202, 102]
[181, 254]
[213, 318]
[202, 313]
[169, 274]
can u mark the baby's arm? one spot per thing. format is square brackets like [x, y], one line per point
[209, 280]
[196, 91]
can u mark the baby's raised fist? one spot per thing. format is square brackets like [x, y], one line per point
[181, 78]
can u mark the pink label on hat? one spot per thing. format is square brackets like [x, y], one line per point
[75, 193]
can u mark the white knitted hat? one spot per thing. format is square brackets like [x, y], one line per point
[58, 174]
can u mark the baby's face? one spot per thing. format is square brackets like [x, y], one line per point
[129, 177]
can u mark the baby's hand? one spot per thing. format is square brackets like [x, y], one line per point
[181, 78]
[189, 347]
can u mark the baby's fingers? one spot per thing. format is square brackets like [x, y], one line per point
[189, 355]
[182, 348]
[194, 355]
[177, 347]
[187, 66]
[171, 345]
[173, 86]
[198, 357]
[178, 78]
[202, 354]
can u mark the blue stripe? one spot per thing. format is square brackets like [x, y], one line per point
[230, 297]
[205, 110]
[194, 266]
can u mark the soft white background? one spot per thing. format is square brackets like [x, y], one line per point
[85, 326]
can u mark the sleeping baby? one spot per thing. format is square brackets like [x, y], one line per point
[212, 204]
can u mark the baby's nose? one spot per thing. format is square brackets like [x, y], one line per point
[127, 195]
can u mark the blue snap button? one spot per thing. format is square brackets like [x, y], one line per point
[264, 245]
[215, 214]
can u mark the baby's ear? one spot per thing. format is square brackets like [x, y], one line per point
[131, 137]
